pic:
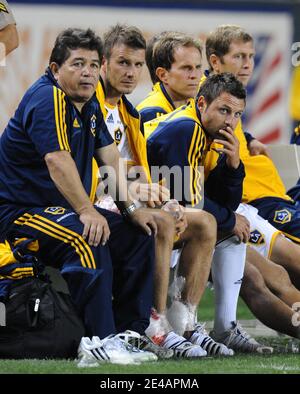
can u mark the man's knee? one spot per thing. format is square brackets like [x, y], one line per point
[253, 284]
[282, 280]
[165, 226]
[203, 224]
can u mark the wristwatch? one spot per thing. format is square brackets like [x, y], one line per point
[128, 211]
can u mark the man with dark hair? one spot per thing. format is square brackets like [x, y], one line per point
[182, 138]
[47, 193]
[8, 31]
[229, 257]
[120, 73]
[175, 66]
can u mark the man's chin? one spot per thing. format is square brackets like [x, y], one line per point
[127, 91]
[84, 98]
[244, 81]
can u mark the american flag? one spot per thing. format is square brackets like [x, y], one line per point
[267, 106]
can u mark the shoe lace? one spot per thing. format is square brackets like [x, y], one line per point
[240, 330]
[131, 340]
[240, 338]
[200, 328]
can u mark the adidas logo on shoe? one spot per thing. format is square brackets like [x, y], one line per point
[200, 337]
[181, 347]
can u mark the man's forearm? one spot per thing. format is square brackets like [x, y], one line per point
[109, 156]
[64, 174]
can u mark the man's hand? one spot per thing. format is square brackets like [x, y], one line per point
[231, 147]
[153, 194]
[257, 148]
[241, 228]
[95, 227]
[181, 225]
[143, 218]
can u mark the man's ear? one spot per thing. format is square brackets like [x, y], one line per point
[214, 62]
[162, 74]
[54, 67]
[201, 104]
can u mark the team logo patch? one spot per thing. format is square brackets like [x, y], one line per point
[118, 136]
[93, 125]
[3, 8]
[283, 216]
[257, 238]
[55, 210]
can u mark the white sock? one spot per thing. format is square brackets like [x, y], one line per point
[178, 316]
[227, 272]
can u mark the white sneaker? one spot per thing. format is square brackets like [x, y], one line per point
[237, 339]
[128, 337]
[143, 342]
[200, 337]
[181, 347]
[93, 352]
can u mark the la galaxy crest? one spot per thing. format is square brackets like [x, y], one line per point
[118, 135]
[282, 216]
[93, 125]
[256, 238]
[55, 210]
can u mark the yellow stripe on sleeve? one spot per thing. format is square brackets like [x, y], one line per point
[193, 157]
[59, 111]
[62, 119]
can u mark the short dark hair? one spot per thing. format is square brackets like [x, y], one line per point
[149, 53]
[216, 84]
[218, 41]
[164, 48]
[74, 38]
[151, 44]
[130, 36]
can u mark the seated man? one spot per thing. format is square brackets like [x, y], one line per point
[124, 56]
[46, 193]
[192, 141]
[263, 187]
[174, 68]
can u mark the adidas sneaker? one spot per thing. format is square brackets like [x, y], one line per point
[128, 338]
[200, 337]
[181, 347]
[93, 352]
[142, 342]
[237, 339]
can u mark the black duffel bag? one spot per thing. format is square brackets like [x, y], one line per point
[40, 322]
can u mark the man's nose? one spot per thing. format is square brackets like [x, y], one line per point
[247, 62]
[87, 70]
[229, 120]
[130, 72]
